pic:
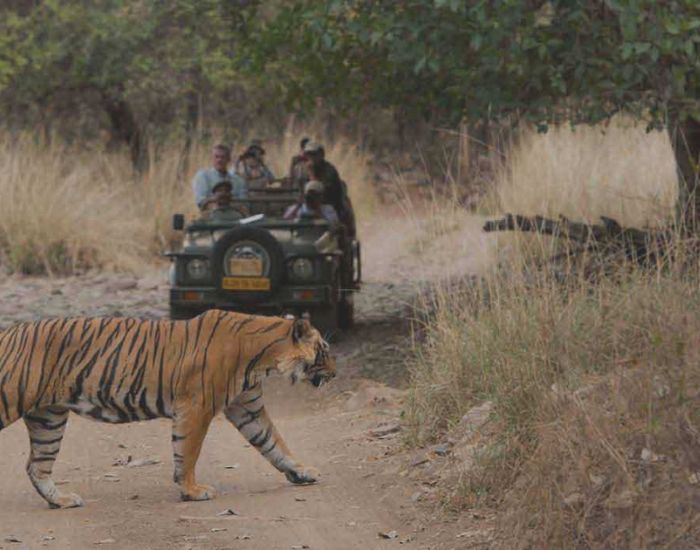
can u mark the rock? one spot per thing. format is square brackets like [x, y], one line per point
[694, 478]
[218, 529]
[48, 538]
[443, 449]
[596, 479]
[142, 462]
[12, 538]
[623, 499]
[574, 500]
[419, 460]
[385, 429]
[227, 512]
[388, 535]
[476, 417]
[125, 285]
[661, 388]
[299, 546]
[648, 456]
[415, 497]
[231, 467]
[106, 541]
[300, 499]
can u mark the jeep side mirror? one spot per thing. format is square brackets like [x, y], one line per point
[178, 222]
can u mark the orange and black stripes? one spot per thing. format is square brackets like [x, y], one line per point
[122, 370]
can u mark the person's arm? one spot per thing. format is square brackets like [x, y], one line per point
[240, 187]
[330, 214]
[200, 189]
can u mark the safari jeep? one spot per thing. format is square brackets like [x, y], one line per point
[247, 257]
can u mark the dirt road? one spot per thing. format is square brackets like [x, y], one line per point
[365, 488]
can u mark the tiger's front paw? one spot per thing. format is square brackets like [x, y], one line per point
[198, 492]
[303, 475]
[71, 500]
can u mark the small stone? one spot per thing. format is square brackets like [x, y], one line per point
[415, 497]
[106, 541]
[228, 512]
[574, 499]
[299, 546]
[218, 529]
[624, 499]
[142, 462]
[232, 467]
[300, 499]
[125, 285]
[442, 450]
[388, 535]
[387, 429]
[12, 538]
[694, 478]
[48, 538]
[417, 461]
[134, 497]
[648, 456]
[244, 537]
[596, 479]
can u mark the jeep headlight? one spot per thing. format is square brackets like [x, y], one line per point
[302, 269]
[198, 269]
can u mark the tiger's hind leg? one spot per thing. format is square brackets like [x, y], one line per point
[46, 427]
[248, 414]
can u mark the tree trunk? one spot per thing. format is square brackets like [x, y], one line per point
[192, 102]
[685, 139]
[125, 129]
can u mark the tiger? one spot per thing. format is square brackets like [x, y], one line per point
[119, 369]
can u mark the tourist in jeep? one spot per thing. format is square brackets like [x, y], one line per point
[206, 179]
[252, 168]
[335, 189]
[298, 168]
[312, 206]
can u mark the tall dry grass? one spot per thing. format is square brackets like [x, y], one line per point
[595, 435]
[66, 208]
[618, 170]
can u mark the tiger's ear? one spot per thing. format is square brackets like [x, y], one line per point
[301, 330]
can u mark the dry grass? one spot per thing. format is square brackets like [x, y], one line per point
[619, 171]
[596, 431]
[65, 208]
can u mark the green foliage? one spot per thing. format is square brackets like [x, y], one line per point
[446, 59]
[436, 60]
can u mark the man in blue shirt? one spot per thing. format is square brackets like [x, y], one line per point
[206, 179]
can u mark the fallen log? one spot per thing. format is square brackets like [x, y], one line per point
[608, 237]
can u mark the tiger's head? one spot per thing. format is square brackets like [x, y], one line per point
[308, 358]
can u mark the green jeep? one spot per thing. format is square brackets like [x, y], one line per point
[246, 257]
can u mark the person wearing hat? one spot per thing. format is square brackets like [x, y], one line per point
[312, 206]
[335, 189]
[252, 168]
[207, 178]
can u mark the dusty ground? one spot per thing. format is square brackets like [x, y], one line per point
[370, 483]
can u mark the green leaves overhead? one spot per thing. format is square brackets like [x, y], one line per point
[547, 60]
[440, 60]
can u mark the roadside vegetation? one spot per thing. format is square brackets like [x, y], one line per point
[595, 427]
[68, 208]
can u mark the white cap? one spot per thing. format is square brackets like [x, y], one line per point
[313, 186]
[312, 147]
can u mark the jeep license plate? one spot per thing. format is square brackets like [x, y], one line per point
[245, 283]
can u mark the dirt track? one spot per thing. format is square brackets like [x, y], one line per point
[366, 486]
